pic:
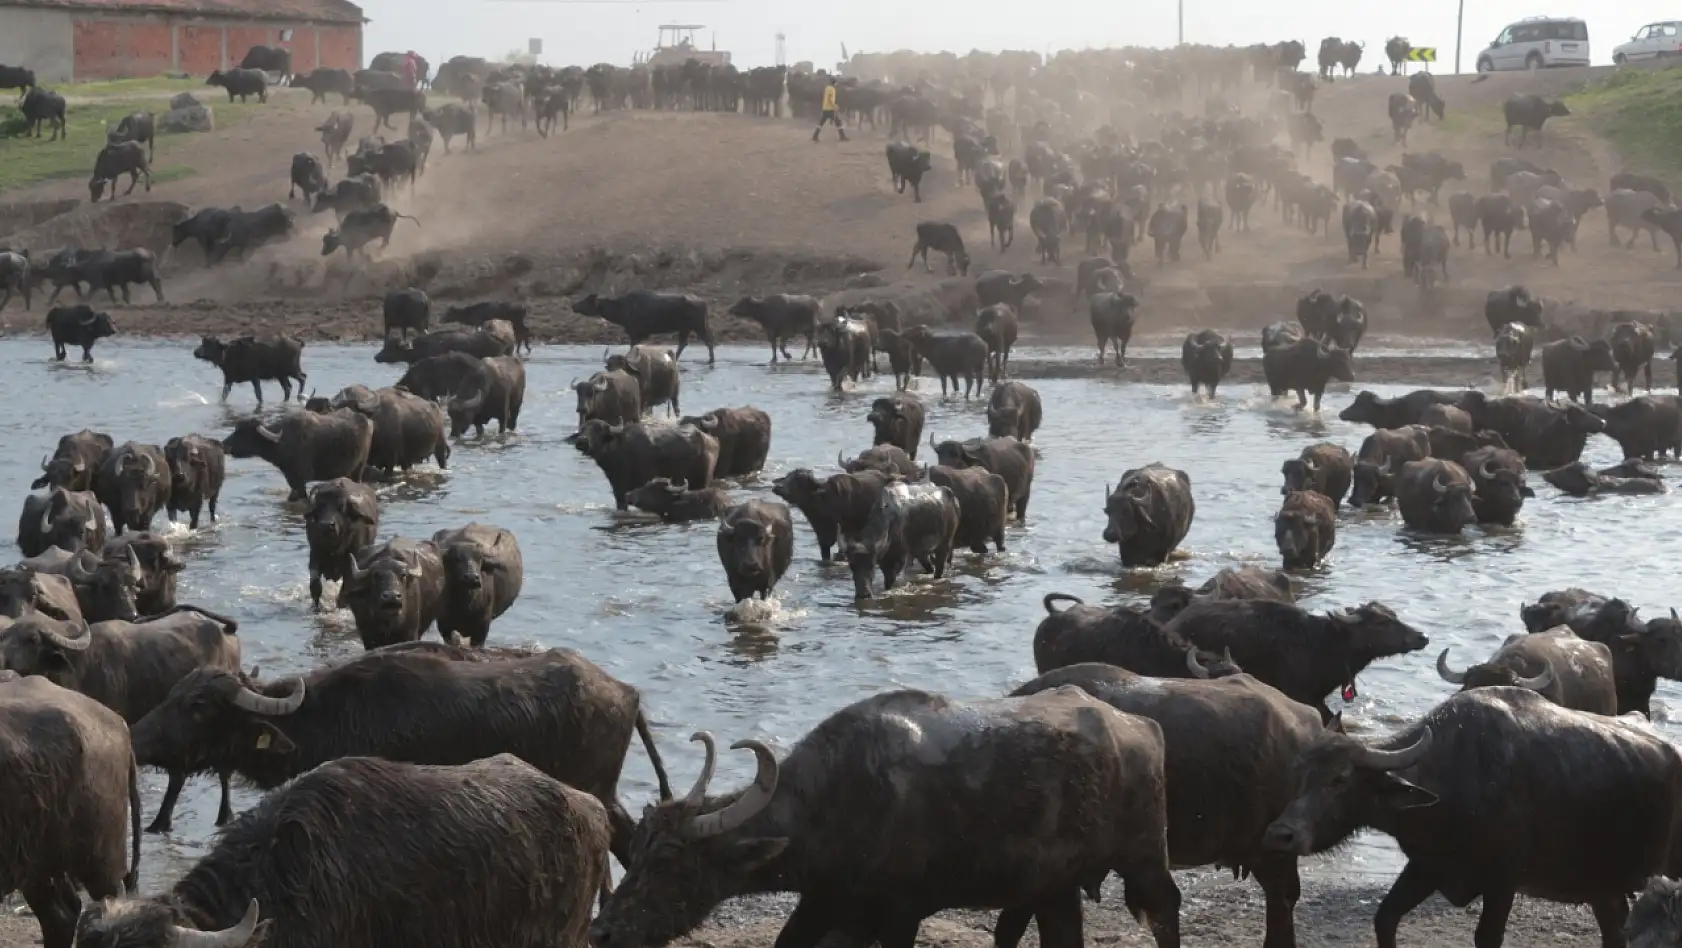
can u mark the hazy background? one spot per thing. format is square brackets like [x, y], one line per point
[586, 33]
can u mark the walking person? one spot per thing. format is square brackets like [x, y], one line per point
[831, 114]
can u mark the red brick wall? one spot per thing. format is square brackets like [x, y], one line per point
[341, 47]
[109, 48]
[199, 48]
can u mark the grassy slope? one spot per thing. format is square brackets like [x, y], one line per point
[1640, 112]
[91, 108]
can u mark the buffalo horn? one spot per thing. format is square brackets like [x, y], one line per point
[267, 706]
[151, 465]
[698, 793]
[754, 799]
[1539, 682]
[43, 462]
[1486, 470]
[64, 643]
[235, 937]
[1438, 485]
[601, 385]
[89, 319]
[931, 442]
[77, 569]
[136, 571]
[1309, 465]
[838, 461]
[268, 435]
[1399, 759]
[1448, 674]
[1193, 665]
[354, 573]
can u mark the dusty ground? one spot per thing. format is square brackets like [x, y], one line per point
[722, 205]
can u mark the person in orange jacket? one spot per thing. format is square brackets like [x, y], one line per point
[831, 114]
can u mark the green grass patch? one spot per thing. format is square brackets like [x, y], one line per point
[26, 161]
[1640, 112]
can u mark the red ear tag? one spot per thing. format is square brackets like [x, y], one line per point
[1349, 692]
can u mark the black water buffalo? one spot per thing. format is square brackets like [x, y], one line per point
[850, 499]
[1233, 582]
[1084, 748]
[1305, 529]
[101, 589]
[676, 503]
[307, 175]
[462, 705]
[306, 446]
[1551, 224]
[952, 355]
[1122, 636]
[1360, 227]
[360, 228]
[1646, 426]
[276, 59]
[898, 420]
[1548, 435]
[1569, 365]
[1149, 513]
[886, 458]
[357, 193]
[1498, 487]
[844, 345]
[483, 572]
[246, 231]
[755, 547]
[76, 802]
[1514, 344]
[802, 489]
[1632, 350]
[1306, 365]
[501, 814]
[1340, 320]
[1369, 408]
[1325, 468]
[1049, 221]
[17, 277]
[196, 467]
[386, 103]
[783, 316]
[1499, 216]
[159, 565]
[407, 310]
[1231, 751]
[79, 325]
[241, 83]
[1580, 480]
[1206, 355]
[112, 271]
[1569, 671]
[115, 160]
[1435, 496]
[611, 396]
[656, 371]
[325, 79]
[997, 326]
[1642, 652]
[1004, 286]
[17, 77]
[478, 343]
[497, 395]
[1304, 655]
[1014, 409]
[945, 239]
[1512, 304]
[644, 314]
[744, 438]
[1004, 455]
[343, 517]
[43, 107]
[1167, 228]
[408, 428]
[394, 589]
[335, 133]
[632, 455]
[911, 522]
[1464, 789]
[75, 461]
[906, 165]
[477, 314]
[255, 359]
[1528, 113]
[133, 483]
[69, 520]
[1113, 315]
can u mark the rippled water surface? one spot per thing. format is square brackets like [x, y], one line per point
[648, 601]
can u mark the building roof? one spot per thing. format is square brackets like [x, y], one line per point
[334, 11]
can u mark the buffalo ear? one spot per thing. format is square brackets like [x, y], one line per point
[271, 740]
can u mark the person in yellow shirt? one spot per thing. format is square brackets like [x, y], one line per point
[831, 114]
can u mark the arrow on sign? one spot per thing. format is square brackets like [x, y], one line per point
[1422, 54]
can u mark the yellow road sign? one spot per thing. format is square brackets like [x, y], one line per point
[1422, 54]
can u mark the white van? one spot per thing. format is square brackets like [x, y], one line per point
[1538, 42]
[1651, 42]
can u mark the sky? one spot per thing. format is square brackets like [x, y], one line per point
[587, 33]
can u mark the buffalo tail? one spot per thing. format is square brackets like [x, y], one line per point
[653, 755]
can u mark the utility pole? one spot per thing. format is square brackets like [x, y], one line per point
[1182, 8]
[1459, 24]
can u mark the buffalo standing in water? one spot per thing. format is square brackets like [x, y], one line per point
[1149, 513]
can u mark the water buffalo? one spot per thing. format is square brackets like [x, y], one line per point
[643, 314]
[196, 466]
[1498, 487]
[844, 346]
[1014, 409]
[676, 503]
[75, 793]
[744, 438]
[361, 227]
[477, 314]
[343, 517]
[1206, 355]
[1514, 344]
[1149, 513]
[104, 589]
[498, 820]
[1464, 789]
[945, 239]
[1399, 412]
[496, 395]
[1435, 496]
[1324, 468]
[1305, 365]
[159, 566]
[1569, 365]
[1528, 113]
[115, 160]
[483, 572]
[1580, 480]
[408, 428]
[1632, 350]
[692, 854]
[755, 546]
[783, 316]
[133, 483]
[1305, 529]
[1233, 582]
[656, 372]
[898, 420]
[407, 310]
[75, 461]
[1642, 651]
[1113, 316]
[1548, 435]
[612, 396]
[256, 359]
[394, 589]
[69, 520]
[1121, 636]
[997, 327]
[983, 506]
[632, 455]
[80, 326]
[1004, 455]
[802, 489]
[306, 446]
[912, 522]
[886, 458]
[906, 165]
[952, 355]
[1567, 670]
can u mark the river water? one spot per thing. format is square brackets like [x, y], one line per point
[648, 601]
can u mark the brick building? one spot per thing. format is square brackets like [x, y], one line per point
[74, 40]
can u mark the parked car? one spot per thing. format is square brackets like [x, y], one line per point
[1650, 42]
[1538, 42]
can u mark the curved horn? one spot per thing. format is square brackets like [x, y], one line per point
[354, 573]
[267, 706]
[78, 644]
[698, 793]
[1448, 674]
[151, 465]
[1193, 665]
[1438, 485]
[1399, 759]
[89, 319]
[1486, 470]
[235, 937]
[44, 460]
[136, 569]
[931, 442]
[77, 569]
[838, 460]
[1539, 682]
[268, 435]
[1309, 465]
[754, 799]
